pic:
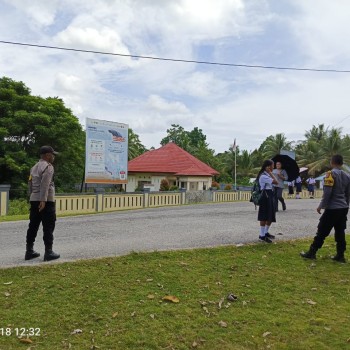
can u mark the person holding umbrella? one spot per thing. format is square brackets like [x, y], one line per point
[281, 176]
[290, 169]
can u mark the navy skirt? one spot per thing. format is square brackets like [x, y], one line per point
[267, 210]
[298, 187]
[290, 190]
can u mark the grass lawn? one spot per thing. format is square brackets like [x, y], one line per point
[284, 302]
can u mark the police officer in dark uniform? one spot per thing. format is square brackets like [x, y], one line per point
[42, 204]
[335, 201]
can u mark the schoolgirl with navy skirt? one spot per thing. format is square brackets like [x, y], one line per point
[267, 212]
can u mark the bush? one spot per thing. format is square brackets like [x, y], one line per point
[228, 188]
[18, 207]
[164, 185]
[216, 185]
[174, 188]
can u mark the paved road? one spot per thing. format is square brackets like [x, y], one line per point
[168, 228]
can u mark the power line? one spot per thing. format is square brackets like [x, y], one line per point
[341, 121]
[176, 59]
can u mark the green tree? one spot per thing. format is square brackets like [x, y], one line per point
[28, 122]
[194, 142]
[135, 147]
[316, 152]
[274, 144]
[178, 135]
[316, 133]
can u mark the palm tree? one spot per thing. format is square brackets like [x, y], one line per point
[245, 165]
[316, 154]
[316, 133]
[135, 147]
[274, 144]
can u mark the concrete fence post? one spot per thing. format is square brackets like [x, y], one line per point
[145, 199]
[183, 196]
[4, 199]
[99, 198]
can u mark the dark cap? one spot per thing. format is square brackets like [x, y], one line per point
[47, 149]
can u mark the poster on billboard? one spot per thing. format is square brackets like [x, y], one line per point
[106, 152]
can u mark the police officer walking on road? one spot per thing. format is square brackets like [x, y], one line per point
[42, 204]
[335, 201]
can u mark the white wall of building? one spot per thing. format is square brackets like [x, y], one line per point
[191, 183]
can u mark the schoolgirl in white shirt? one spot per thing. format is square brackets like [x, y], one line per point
[267, 213]
[311, 186]
[298, 187]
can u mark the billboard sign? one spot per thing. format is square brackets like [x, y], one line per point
[106, 152]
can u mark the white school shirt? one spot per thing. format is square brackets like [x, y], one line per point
[298, 180]
[265, 181]
[311, 181]
[291, 184]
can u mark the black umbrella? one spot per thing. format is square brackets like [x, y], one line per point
[289, 165]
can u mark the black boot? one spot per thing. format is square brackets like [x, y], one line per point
[30, 252]
[339, 257]
[50, 254]
[310, 254]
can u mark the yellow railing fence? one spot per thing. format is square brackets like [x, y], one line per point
[103, 202]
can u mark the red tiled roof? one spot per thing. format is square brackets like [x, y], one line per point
[170, 159]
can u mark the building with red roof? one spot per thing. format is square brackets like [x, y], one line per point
[169, 162]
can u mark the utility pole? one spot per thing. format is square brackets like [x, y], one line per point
[234, 149]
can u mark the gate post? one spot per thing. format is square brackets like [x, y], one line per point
[4, 199]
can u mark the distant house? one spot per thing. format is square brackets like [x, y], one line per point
[172, 163]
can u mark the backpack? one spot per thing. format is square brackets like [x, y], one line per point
[256, 193]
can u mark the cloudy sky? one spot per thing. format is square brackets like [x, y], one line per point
[226, 102]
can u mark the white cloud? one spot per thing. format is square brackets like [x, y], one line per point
[322, 29]
[160, 104]
[40, 13]
[149, 95]
[105, 39]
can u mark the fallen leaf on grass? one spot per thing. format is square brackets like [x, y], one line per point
[222, 324]
[115, 315]
[7, 294]
[149, 279]
[26, 340]
[205, 309]
[133, 314]
[327, 328]
[311, 302]
[348, 340]
[239, 245]
[232, 297]
[220, 303]
[314, 289]
[77, 331]
[8, 283]
[150, 296]
[194, 344]
[266, 334]
[171, 298]
[152, 316]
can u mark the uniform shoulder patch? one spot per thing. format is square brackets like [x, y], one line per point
[329, 180]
